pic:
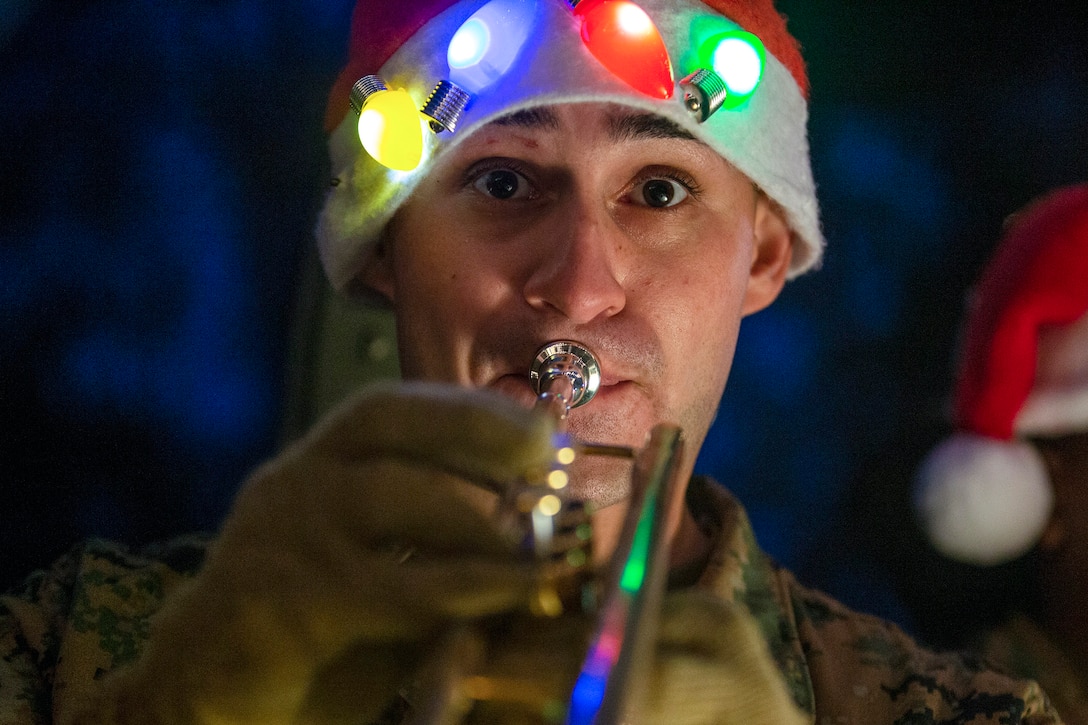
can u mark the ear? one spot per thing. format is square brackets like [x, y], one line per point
[771, 255]
[376, 274]
[1054, 533]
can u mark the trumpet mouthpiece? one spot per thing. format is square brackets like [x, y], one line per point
[567, 370]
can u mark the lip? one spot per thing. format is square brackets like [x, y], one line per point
[518, 387]
[612, 388]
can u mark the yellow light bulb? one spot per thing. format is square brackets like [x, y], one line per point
[391, 129]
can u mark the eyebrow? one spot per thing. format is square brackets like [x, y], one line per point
[625, 127]
[631, 127]
[529, 118]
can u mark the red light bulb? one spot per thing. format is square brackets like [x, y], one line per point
[625, 40]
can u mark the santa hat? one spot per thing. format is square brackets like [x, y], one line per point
[983, 495]
[403, 46]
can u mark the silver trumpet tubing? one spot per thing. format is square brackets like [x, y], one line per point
[582, 655]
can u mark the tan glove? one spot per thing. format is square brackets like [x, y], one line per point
[712, 667]
[306, 609]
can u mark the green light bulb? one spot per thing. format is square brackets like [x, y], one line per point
[739, 59]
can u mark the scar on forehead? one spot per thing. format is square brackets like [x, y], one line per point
[621, 126]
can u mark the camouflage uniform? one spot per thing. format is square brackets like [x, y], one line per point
[89, 614]
[1021, 647]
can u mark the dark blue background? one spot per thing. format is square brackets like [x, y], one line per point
[161, 164]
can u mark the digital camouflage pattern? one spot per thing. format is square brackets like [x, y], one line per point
[851, 668]
[1019, 646]
[67, 627]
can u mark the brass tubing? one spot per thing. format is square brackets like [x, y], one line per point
[541, 671]
[634, 586]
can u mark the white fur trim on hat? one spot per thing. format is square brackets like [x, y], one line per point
[983, 501]
[1058, 402]
[766, 140]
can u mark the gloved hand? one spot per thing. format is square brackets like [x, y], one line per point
[712, 667]
[341, 560]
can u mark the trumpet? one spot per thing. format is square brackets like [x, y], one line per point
[582, 656]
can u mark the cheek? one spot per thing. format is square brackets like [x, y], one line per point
[700, 296]
[444, 299]
[453, 274]
[698, 317]
[708, 350]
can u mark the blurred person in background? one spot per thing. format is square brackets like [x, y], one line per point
[1011, 482]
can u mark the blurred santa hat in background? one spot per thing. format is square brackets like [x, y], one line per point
[983, 495]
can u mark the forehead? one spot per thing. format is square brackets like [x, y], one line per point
[616, 123]
[620, 122]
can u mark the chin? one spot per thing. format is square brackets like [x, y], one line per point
[600, 480]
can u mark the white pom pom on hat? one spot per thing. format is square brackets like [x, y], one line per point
[983, 496]
[983, 501]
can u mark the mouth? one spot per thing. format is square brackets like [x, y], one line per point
[515, 386]
[519, 388]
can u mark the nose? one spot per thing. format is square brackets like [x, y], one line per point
[577, 272]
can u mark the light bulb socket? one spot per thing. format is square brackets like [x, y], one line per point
[704, 93]
[363, 89]
[445, 106]
[581, 7]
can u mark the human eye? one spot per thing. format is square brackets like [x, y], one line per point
[661, 190]
[501, 180]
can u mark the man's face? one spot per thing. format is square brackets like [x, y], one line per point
[589, 222]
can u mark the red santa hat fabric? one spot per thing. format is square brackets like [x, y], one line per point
[405, 43]
[378, 29]
[983, 495]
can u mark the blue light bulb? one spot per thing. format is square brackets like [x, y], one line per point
[486, 45]
[483, 50]
[469, 44]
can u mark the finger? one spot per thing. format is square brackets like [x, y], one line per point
[426, 510]
[337, 509]
[360, 685]
[320, 604]
[403, 600]
[475, 433]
